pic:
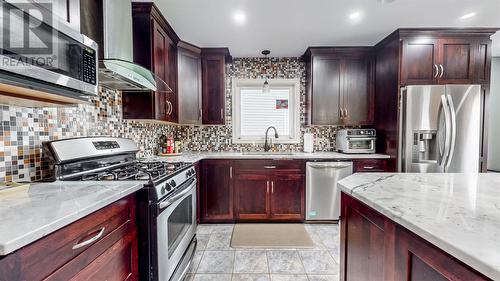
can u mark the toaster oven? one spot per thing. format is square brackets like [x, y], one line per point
[356, 141]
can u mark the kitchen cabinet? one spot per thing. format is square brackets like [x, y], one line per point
[216, 192]
[189, 77]
[448, 60]
[372, 165]
[339, 86]
[269, 190]
[155, 48]
[100, 246]
[373, 247]
[213, 63]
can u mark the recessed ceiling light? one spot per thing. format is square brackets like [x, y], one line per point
[239, 17]
[468, 16]
[355, 16]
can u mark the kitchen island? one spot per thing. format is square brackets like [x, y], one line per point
[420, 227]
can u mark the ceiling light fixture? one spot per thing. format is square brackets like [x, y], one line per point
[355, 16]
[239, 18]
[468, 16]
[266, 88]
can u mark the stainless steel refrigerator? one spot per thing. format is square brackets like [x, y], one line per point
[440, 128]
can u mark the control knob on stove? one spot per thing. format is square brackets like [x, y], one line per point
[173, 183]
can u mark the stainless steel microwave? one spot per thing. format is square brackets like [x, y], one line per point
[39, 50]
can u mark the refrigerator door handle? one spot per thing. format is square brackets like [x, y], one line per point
[401, 132]
[453, 129]
[447, 138]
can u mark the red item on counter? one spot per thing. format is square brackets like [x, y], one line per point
[170, 145]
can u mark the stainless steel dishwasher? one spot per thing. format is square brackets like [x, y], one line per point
[322, 193]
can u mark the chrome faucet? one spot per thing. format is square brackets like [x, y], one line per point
[268, 143]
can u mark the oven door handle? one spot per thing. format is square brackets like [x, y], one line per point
[169, 201]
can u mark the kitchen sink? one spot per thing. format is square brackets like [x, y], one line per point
[267, 153]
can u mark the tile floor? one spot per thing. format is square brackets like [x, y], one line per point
[215, 260]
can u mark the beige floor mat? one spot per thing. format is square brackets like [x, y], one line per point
[270, 235]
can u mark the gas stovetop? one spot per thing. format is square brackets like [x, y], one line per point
[113, 159]
[136, 170]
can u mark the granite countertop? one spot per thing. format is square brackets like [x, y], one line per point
[46, 207]
[459, 213]
[193, 157]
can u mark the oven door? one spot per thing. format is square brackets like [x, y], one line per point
[176, 227]
[361, 145]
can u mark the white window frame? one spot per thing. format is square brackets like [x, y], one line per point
[294, 106]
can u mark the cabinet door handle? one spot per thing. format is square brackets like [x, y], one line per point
[267, 185]
[437, 71]
[221, 114]
[231, 172]
[269, 167]
[368, 167]
[199, 113]
[169, 107]
[272, 186]
[442, 70]
[89, 241]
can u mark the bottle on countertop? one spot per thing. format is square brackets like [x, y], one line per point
[170, 145]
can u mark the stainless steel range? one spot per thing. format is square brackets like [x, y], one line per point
[166, 204]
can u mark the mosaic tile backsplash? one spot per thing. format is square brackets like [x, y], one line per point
[219, 138]
[23, 130]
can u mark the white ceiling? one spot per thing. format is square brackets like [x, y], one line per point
[288, 27]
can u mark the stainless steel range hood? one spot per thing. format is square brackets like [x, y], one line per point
[113, 32]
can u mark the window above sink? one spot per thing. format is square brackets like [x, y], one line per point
[254, 111]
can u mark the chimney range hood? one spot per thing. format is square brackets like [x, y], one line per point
[109, 23]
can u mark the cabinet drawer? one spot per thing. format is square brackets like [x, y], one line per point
[270, 165]
[36, 261]
[370, 166]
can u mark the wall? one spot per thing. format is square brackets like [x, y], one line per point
[215, 138]
[494, 118]
[23, 130]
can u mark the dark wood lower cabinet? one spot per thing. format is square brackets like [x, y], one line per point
[287, 197]
[57, 256]
[216, 191]
[252, 196]
[373, 247]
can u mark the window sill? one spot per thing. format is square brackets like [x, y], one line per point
[261, 141]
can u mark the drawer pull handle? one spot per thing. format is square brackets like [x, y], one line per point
[369, 167]
[91, 240]
[269, 167]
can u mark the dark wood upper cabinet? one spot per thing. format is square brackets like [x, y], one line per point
[326, 94]
[213, 64]
[339, 86]
[419, 61]
[456, 61]
[189, 77]
[216, 194]
[440, 57]
[155, 48]
[358, 95]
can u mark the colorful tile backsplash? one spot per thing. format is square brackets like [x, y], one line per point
[22, 130]
[219, 138]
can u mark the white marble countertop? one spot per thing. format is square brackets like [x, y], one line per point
[46, 207]
[459, 213]
[197, 156]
